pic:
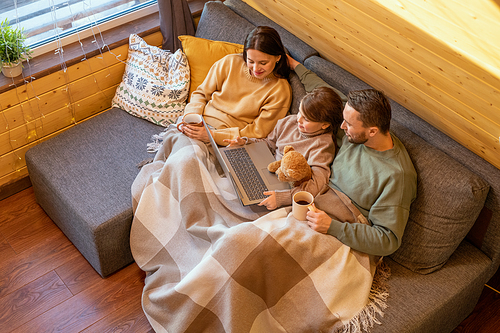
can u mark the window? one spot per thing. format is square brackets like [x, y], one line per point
[54, 23]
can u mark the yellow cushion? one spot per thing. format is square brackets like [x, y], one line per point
[202, 54]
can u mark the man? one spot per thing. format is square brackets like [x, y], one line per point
[374, 171]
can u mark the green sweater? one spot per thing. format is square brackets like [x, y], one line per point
[381, 184]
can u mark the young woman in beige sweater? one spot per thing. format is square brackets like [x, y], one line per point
[244, 94]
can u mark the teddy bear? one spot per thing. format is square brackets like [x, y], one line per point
[292, 167]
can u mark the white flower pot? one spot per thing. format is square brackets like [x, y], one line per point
[12, 70]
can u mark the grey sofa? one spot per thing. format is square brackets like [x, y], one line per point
[451, 246]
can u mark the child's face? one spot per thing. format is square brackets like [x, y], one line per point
[307, 127]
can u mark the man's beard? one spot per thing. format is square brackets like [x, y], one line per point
[360, 139]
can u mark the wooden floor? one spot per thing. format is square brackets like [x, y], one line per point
[46, 285]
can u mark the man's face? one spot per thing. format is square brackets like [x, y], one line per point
[353, 127]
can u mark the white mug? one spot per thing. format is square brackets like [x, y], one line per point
[192, 119]
[300, 204]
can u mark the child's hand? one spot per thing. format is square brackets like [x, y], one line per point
[270, 201]
[235, 142]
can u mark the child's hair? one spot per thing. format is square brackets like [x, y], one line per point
[267, 40]
[323, 104]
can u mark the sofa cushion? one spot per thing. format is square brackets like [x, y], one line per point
[334, 75]
[155, 84]
[449, 200]
[202, 54]
[298, 92]
[438, 302]
[218, 22]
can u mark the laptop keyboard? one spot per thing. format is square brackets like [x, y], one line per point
[247, 173]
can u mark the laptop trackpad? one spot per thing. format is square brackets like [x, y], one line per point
[271, 177]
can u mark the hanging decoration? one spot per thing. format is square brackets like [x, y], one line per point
[26, 96]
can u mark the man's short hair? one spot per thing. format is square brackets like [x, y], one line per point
[373, 107]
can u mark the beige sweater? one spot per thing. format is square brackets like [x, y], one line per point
[238, 104]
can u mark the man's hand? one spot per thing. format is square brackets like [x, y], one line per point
[292, 63]
[235, 142]
[196, 132]
[318, 220]
[270, 201]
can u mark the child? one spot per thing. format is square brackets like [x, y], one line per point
[311, 132]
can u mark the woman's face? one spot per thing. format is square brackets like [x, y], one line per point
[261, 64]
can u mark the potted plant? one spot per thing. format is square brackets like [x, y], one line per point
[13, 49]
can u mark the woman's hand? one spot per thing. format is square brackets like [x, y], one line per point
[318, 220]
[235, 142]
[196, 132]
[270, 201]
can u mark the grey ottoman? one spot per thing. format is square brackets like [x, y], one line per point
[82, 179]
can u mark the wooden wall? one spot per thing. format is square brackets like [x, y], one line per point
[438, 58]
[51, 104]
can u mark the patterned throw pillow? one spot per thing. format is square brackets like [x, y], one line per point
[155, 84]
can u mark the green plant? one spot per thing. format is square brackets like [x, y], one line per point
[12, 44]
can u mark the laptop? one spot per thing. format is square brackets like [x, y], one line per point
[246, 166]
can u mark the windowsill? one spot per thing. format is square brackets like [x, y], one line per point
[50, 63]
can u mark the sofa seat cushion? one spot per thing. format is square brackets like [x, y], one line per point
[82, 179]
[449, 200]
[437, 302]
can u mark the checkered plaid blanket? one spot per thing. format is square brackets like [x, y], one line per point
[214, 265]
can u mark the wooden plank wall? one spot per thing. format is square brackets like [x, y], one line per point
[51, 104]
[438, 58]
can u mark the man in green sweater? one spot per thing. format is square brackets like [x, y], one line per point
[374, 171]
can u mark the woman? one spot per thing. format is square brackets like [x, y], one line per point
[244, 94]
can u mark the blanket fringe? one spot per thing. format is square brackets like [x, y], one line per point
[157, 140]
[144, 162]
[154, 145]
[379, 292]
